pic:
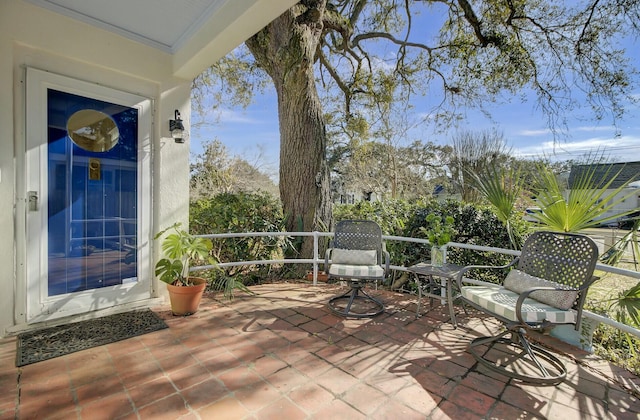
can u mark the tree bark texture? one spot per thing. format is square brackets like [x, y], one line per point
[285, 49]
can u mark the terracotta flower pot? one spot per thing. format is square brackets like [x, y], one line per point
[186, 299]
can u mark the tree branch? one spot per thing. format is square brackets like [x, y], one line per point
[371, 35]
[336, 77]
[585, 27]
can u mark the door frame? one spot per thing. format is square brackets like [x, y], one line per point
[39, 306]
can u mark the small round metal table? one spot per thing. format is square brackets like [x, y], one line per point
[436, 290]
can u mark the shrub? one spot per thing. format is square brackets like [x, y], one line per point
[256, 212]
[474, 224]
[240, 212]
[391, 215]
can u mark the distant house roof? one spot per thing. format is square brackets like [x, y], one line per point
[629, 171]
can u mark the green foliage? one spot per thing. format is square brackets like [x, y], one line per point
[391, 215]
[241, 212]
[618, 347]
[477, 225]
[587, 202]
[181, 250]
[625, 307]
[501, 187]
[227, 285]
[473, 224]
[438, 232]
[215, 171]
[232, 81]
[610, 343]
[629, 305]
[477, 52]
[475, 153]
[629, 241]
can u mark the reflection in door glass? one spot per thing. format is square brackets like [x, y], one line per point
[93, 130]
[92, 195]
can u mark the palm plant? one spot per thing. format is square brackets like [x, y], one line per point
[584, 205]
[501, 187]
[228, 285]
[626, 306]
[628, 240]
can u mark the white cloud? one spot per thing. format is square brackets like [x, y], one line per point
[380, 64]
[231, 116]
[621, 149]
[586, 128]
[590, 128]
[226, 116]
[534, 133]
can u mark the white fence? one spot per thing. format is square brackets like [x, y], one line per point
[317, 260]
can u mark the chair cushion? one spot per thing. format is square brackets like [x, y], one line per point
[354, 256]
[519, 281]
[356, 271]
[502, 302]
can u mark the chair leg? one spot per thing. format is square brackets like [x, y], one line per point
[524, 343]
[517, 358]
[352, 296]
[365, 306]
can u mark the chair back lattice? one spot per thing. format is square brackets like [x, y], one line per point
[564, 258]
[360, 235]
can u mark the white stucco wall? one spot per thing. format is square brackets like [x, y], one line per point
[32, 36]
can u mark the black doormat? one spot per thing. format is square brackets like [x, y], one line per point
[36, 346]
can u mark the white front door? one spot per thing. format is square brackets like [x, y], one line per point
[88, 196]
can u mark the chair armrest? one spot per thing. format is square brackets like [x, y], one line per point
[583, 288]
[460, 276]
[588, 284]
[387, 258]
[327, 254]
[525, 294]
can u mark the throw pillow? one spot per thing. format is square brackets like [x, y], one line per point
[354, 256]
[519, 281]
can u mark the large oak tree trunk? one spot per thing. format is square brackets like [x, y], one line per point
[285, 49]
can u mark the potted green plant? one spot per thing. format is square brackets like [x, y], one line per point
[181, 250]
[439, 233]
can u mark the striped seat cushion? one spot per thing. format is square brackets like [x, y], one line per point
[356, 271]
[502, 302]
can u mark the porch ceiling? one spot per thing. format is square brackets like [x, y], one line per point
[196, 32]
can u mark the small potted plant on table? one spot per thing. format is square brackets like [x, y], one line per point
[181, 250]
[439, 232]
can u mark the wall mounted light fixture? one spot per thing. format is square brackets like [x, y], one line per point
[177, 128]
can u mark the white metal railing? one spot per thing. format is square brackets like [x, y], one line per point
[316, 260]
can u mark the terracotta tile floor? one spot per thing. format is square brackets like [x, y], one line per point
[281, 355]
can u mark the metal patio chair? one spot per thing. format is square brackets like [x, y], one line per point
[546, 287]
[357, 254]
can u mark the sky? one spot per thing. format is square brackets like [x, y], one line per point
[253, 133]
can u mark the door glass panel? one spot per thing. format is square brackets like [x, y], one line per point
[93, 189]
[93, 130]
